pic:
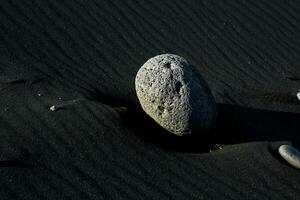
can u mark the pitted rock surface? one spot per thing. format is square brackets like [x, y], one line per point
[175, 95]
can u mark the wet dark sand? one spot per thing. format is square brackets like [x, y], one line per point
[103, 146]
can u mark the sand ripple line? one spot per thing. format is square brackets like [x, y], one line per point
[290, 154]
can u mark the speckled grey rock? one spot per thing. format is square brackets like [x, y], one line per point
[290, 154]
[174, 94]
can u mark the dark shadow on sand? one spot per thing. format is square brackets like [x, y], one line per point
[234, 125]
[239, 124]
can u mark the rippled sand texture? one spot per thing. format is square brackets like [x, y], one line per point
[103, 146]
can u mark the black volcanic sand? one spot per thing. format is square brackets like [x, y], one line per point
[102, 145]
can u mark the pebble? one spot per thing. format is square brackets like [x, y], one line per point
[173, 93]
[290, 154]
[52, 108]
[298, 96]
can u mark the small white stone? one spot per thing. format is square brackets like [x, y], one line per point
[298, 96]
[52, 108]
[290, 154]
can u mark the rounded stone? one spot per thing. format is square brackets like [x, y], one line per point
[174, 94]
[290, 154]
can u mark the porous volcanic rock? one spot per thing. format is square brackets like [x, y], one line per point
[175, 95]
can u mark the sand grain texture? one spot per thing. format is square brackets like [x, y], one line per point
[56, 51]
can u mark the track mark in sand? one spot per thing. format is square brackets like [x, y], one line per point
[10, 163]
[65, 104]
[290, 76]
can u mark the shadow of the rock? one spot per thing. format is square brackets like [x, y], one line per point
[149, 131]
[238, 124]
[234, 125]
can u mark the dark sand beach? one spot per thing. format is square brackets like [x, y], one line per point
[82, 56]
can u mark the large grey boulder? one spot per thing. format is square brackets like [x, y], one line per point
[174, 94]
